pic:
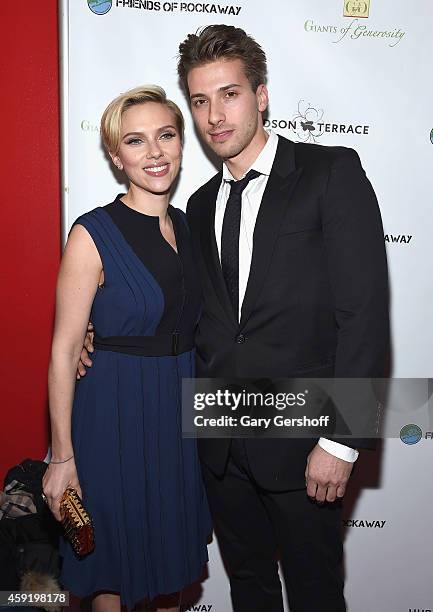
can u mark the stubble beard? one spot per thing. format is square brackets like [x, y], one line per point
[235, 148]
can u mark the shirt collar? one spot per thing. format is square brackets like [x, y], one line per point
[263, 162]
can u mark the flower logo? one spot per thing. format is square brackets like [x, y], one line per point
[307, 119]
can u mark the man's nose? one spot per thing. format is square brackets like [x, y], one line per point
[216, 114]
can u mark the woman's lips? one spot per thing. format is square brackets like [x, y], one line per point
[158, 171]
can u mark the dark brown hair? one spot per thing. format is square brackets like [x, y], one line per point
[221, 41]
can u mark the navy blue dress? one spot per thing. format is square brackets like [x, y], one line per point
[141, 481]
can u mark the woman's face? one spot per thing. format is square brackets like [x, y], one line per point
[150, 149]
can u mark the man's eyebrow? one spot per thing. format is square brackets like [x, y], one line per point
[229, 86]
[202, 95]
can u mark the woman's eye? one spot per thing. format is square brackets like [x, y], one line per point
[168, 135]
[134, 141]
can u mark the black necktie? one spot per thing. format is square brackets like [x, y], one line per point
[230, 238]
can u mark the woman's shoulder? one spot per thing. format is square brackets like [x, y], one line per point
[89, 214]
[94, 221]
[100, 213]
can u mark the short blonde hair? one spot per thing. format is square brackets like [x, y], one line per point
[111, 120]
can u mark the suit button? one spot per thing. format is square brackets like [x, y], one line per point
[240, 339]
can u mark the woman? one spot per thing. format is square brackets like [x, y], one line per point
[128, 267]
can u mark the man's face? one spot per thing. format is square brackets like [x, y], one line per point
[226, 111]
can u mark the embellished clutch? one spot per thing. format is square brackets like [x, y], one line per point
[77, 523]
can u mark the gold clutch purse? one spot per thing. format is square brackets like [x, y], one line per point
[77, 523]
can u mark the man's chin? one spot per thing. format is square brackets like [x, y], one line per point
[226, 150]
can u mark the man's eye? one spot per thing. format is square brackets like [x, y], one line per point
[231, 94]
[199, 102]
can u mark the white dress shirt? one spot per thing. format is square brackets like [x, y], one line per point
[251, 200]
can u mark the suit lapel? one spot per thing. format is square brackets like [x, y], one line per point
[280, 186]
[209, 246]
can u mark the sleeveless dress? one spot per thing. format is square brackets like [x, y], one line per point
[141, 481]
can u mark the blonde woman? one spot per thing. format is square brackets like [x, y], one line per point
[116, 436]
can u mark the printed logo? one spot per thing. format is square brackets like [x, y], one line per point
[431, 136]
[398, 238]
[99, 7]
[88, 126]
[308, 124]
[356, 8]
[184, 7]
[410, 434]
[357, 11]
[363, 523]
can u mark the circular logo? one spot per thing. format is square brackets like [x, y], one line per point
[99, 7]
[410, 434]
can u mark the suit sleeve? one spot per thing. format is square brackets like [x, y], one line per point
[357, 267]
[356, 258]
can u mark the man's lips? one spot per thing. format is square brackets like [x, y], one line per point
[220, 136]
[160, 170]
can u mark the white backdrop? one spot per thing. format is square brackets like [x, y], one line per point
[364, 81]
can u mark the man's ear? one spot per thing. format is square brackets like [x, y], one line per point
[262, 97]
[116, 160]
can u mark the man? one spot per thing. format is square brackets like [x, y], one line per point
[293, 268]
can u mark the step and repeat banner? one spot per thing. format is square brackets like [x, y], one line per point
[354, 73]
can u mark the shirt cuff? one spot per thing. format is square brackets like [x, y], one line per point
[339, 450]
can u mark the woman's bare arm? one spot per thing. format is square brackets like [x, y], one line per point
[77, 283]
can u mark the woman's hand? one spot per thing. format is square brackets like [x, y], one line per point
[57, 478]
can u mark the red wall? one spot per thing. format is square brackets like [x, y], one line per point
[30, 222]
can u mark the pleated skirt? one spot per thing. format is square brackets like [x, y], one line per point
[141, 481]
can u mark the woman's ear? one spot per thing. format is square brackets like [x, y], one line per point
[116, 160]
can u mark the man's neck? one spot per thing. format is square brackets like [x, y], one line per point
[239, 165]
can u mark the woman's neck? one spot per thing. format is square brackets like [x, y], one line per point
[154, 204]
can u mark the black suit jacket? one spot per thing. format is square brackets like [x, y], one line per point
[316, 303]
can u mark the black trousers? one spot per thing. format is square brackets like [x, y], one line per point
[255, 527]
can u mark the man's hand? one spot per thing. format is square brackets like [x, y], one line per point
[326, 476]
[85, 360]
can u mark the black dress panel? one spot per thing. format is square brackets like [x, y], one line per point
[174, 272]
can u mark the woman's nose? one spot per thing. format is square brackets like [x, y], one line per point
[154, 151]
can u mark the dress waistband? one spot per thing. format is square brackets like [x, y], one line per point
[146, 346]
